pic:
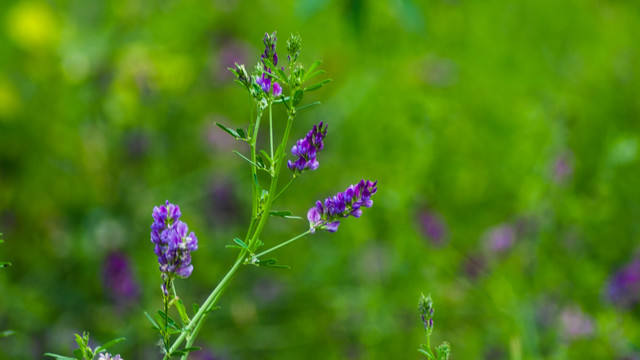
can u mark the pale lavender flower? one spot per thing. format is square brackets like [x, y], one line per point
[500, 238]
[623, 288]
[106, 356]
[327, 215]
[173, 244]
[563, 167]
[306, 148]
[575, 323]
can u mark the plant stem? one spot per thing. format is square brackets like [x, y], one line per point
[271, 135]
[206, 307]
[283, 244]
[284, 188]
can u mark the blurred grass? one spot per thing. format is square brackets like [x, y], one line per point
[458, 108]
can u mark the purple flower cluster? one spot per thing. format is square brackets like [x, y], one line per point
[270, 48]
[623, 288]
[306, 148]
[327, 216]
[265, 84]
[425, 307]
[264, 81]
[173, 245]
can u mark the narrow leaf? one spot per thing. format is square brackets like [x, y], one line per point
[317, 86]
[242, 244]
[311, 68]
[153, 323]
[308, 105]
[272, 263]
[231, 132]
[249, 161]
[59, 356]
[109, 344]
[182, 311]
[241, 133]
[312, 75]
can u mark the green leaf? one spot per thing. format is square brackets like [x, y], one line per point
[251, 162]
[308, 105]
[172, 323]
[60, 356]
[242, 244]
[317, 86]
[153, 323]
[297, 97]
[272, 263]
[4, 264]
[231, 132]
[78, 354]
[241, 133]
[182, 311]
[312, 75]
[311, 68]
[196, 308]
[185, 351]
[274, 73]
[266, 156]
[108, 344]
[284, 214]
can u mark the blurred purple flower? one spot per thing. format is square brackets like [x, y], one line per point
[327, 216]
[222, 204]
[306, 148]
[173, 245]
[136, 144]
[575, 323]
[500, 238]
[623, 288]
[433, 226]
[118, 279]
[563, 167]
[231, 52]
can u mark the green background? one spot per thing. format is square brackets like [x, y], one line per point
[461, 109]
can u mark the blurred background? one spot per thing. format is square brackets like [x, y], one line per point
[504, 137]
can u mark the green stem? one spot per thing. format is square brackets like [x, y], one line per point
[284, 243]
[284, 188]
[208, 304]
[271, 134]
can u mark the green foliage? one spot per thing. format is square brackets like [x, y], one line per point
[459, 108]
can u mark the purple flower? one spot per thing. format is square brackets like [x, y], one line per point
[118, 279]
[327, 215]
[575, 323]
[500, 238]
[306, 148]
[624, 286]
[265, 84]
[105, 356]
[433, 227]
[173, 244]
[270, 49]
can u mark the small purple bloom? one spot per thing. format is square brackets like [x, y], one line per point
[270, 49]
[327, 215]
[173, 243]
[623, 289]
[106, 356]
[306, 148]
[277, 89]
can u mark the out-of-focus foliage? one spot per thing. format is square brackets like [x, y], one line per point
[504, 136]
